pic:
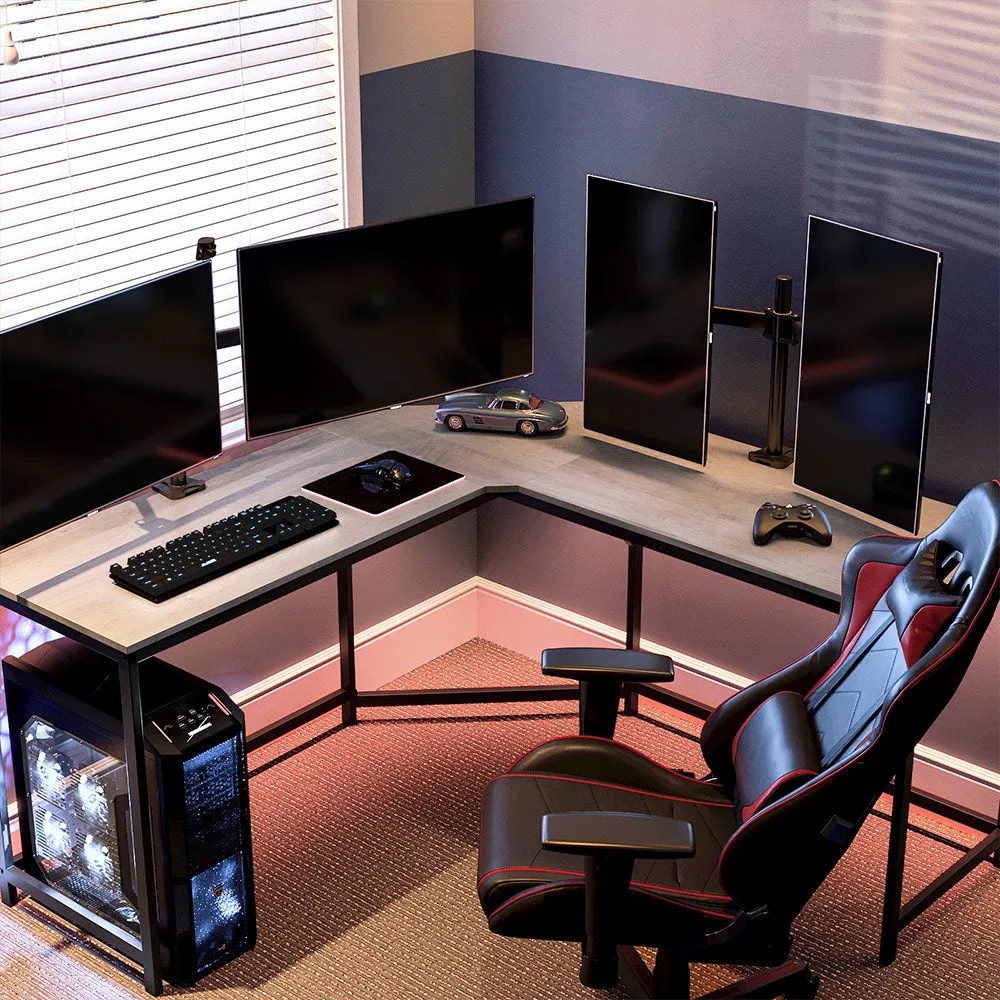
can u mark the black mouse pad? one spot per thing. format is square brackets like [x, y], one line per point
[348, 486]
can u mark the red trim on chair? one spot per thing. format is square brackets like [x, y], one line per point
[812, 652]
[923, 627]
[532, 892]
[606, 784]
[639, 885]
[885, 574]
[874, 579]
[721, 897]
[684, 906]
[545, 743]
[739, 732]
[844, 653]
[577, 881]
[527, 868]
[624, 746]
[832, 772]
[747, 811]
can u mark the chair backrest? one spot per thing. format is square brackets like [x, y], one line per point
[814, 745]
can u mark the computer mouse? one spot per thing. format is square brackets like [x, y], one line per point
[385, 473]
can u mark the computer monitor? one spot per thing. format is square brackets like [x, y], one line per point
[650, 281]
[365, 318]
[868, 323]
[99, 401]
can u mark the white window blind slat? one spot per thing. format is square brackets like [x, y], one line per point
[55, 54]
[130, 129]
[27, 153]
[51, 17]
[69, 91]
[216, 210]
[103, 203]
[95, 242]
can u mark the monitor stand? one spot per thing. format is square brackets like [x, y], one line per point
[782, 327]
[369, 486]
[179, 486]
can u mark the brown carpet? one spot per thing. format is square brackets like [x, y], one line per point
[365, 858]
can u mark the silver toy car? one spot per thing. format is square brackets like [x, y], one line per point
[508, 410]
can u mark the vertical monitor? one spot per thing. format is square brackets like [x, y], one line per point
[99, 401]
[361, 319]
[650, 279]
[869, 315]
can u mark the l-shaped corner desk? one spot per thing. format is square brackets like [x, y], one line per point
[60, 580]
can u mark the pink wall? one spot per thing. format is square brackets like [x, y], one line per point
[17, 636]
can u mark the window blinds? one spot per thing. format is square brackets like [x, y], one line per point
[129, 129]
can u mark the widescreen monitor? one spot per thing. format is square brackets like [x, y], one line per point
[868, 322]
[650, 278]
[361, 319]
[104, 399]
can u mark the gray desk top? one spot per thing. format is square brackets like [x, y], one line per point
[64, 574]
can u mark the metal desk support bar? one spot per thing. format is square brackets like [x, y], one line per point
[895, 914]
[781, 326]
[8, 893]
[13, 879]
[345, 614]
[633, 619]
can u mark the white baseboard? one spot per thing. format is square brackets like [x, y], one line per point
[528, 624]
[382, 653]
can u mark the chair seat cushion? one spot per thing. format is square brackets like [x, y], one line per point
[527, 891]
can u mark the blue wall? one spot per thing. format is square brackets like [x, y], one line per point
[541, 128]
[417, 138]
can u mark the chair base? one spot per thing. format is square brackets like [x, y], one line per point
[670, 980]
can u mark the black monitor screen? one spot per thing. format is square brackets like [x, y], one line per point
[365, 318]
[649, 300]
[102, 400]
[867, 331]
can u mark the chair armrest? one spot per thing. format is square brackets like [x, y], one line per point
[637, 835]
[588, 663]
[610, 843]
[601, 673]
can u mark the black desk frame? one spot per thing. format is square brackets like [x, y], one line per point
[146, 950]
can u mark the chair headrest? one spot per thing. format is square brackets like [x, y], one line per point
[920, 601]
[971, 540]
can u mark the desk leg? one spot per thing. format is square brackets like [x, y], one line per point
[633, 618]
[139, 818]
[996, 853]
[8, 894]
[892, 901]
[345, 606]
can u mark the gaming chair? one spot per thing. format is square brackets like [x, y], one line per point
[584, 839]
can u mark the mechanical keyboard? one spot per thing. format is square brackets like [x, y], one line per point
[184, 562]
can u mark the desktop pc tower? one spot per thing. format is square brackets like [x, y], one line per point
[65, 724]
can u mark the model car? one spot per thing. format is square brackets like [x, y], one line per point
[508, 410]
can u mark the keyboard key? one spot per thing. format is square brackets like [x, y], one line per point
[226, 544]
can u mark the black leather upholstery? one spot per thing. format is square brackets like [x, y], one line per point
[774, 752]
[868, 570]
[512, 861]
[798, 760]
[920, 602]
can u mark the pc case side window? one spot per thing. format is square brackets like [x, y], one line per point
[77, 797]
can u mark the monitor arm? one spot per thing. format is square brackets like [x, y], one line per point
[782, 327]
[179, 486]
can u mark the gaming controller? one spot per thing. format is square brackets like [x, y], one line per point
[804, 520]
